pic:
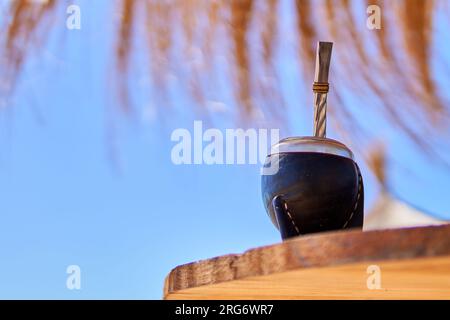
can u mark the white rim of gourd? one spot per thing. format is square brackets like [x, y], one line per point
[312, 144]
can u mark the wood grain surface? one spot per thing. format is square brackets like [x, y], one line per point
[414, 263]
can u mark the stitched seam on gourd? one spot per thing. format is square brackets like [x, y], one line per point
[290, 217]
[357, 200]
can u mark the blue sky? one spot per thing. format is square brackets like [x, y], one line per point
[81, 184]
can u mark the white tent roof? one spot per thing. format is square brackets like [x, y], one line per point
[389, 212]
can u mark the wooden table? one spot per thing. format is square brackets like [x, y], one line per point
[412, 263]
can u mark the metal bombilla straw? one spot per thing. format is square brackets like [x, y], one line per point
[321, 87]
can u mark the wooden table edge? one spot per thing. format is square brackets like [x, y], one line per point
[313, 251]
